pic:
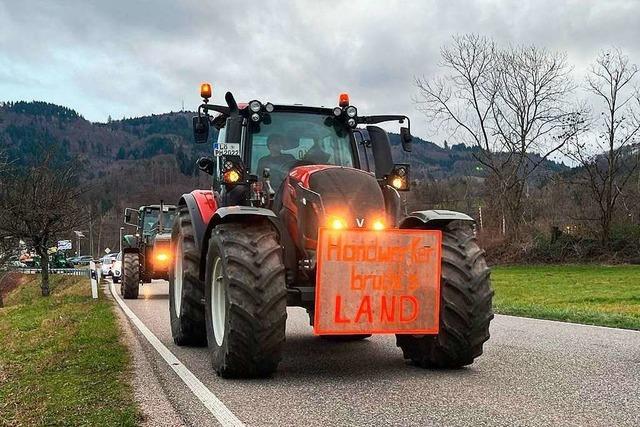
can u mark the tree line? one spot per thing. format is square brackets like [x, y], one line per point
[519, 105]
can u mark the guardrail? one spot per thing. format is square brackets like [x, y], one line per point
[68, 271]
[92, 273]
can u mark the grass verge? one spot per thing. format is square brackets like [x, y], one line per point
[590, 294]
[61, 358]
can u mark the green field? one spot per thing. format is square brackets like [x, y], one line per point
[61, 358]
[592, 294]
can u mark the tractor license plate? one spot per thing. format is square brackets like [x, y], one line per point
[377, 282]
[222, 149]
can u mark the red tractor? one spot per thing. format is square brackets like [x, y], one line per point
[305, 211]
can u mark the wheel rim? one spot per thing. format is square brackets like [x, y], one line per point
[218, 301]
[177, 279]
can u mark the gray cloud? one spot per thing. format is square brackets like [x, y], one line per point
[128, 58]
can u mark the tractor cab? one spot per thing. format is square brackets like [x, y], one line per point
[260, 145]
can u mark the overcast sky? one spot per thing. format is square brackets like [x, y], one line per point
[132, 58]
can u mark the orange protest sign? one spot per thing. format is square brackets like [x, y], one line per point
[377, 282]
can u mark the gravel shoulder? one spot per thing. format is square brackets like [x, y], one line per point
[155, 406]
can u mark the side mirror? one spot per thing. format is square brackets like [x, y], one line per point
[128, 212]
[381, 149]
[201, 129]
[406, 138]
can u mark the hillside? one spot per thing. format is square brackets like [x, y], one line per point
[25, 126]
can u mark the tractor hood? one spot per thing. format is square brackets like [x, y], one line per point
[318, 194]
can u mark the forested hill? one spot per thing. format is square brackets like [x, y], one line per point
[25, 127]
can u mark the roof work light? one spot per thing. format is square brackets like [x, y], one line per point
[205, 90]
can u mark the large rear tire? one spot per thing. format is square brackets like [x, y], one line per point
[465, 305]
[245, 300]
[186, 291]
[130, 275]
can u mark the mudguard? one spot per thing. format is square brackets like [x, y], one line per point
[436, 218]
[129, 243]
[202, 205]
[234, 214]
[205, 214]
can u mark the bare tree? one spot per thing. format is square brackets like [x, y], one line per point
[610, 158]
[511, 103]
[40, 203]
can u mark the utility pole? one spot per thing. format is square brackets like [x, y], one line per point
[90, 235]
[79, 236]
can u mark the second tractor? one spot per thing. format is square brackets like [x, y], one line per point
[146, 255]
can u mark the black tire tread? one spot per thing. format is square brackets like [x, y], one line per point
[465, 305]
[130, 275]
[189, 328]
[252, 261]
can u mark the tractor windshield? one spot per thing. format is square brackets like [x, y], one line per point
[150, 225]
[285, 139]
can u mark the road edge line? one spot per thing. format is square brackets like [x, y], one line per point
[224, 416]
[583, 325]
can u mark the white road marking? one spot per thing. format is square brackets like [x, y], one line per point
[571, 324]
[208, 399]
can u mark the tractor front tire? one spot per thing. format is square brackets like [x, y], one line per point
[186, 291]
[130, 275]
[245, 300]
[465, 305]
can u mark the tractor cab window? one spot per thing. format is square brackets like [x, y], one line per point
[285, 140]
[151, 224]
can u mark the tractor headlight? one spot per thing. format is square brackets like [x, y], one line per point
[351, 111]
[232, 170]
[269, 107]
[336, 223]
[351, 122]
[397, 183]
[337, 111]
[255, 117]
[399, 177]
[231, 176]
[162, 257]
[255, 106]
[378, 225]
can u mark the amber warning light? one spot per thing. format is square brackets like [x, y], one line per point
[343, 100]
[205, 90]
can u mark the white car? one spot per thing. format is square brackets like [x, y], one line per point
[106, 265]
[116, 268]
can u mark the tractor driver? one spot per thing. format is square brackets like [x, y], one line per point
[278, 163]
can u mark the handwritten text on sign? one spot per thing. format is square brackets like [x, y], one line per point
[377, 281]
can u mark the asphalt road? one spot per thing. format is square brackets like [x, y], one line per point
[533, 372]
